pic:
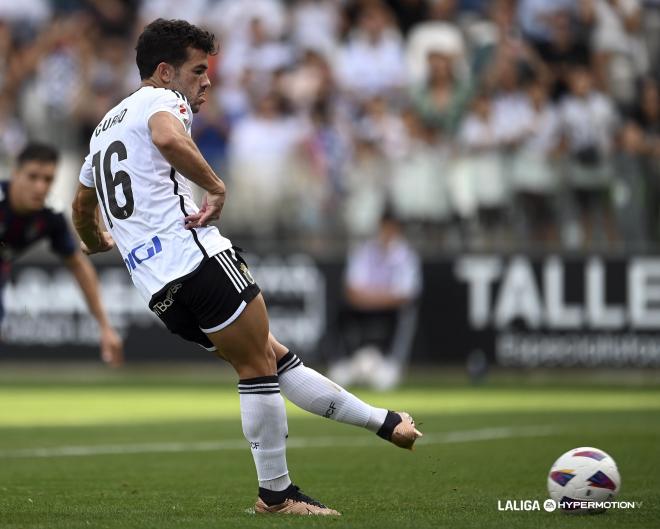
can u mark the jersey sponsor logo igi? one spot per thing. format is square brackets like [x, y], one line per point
[142, 252]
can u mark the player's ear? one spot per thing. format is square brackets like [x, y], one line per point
[165, 72]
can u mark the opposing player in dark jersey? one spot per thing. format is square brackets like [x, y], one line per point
[25, 219]
[140, 160]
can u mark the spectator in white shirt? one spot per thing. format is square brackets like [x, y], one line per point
[385, 127]
[479, 178]
[259, 52]
[418, 189]
[261, 148]
[589, 121]
[534, 178]
[619, 52]
[382, 284]
[372, 63]
[315, 24]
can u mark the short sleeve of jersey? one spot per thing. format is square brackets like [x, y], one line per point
[171, 101]
[86, 175]
[61, 239]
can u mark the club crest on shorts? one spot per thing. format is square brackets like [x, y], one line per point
[246, 272]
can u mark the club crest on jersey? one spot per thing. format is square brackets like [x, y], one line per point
[184, 112]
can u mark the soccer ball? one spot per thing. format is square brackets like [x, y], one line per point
[583, 474]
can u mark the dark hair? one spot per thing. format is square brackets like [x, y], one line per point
[37, 152]
[168, 41]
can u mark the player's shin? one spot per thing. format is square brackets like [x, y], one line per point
[263, 416]
[317, 394]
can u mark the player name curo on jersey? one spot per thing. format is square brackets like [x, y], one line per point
[110, 122]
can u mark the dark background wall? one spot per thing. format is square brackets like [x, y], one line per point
[516, 310]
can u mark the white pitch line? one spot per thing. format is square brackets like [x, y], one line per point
[464, 436]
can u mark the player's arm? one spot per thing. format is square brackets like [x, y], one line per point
[111, 344]
[178, 148]
[86, 222]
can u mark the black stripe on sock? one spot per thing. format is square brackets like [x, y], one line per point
[263, 386]
[271, 379]
[259, 391]
[288, 361]
[285, 359]
[291, 366]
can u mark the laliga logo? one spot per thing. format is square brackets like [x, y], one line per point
[526, 505]
[142, 252]
[566, 505]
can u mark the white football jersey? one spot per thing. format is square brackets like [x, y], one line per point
[142, 198]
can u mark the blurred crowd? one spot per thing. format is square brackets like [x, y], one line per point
[496, 124]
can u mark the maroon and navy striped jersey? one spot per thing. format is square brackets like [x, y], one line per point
[19, 232]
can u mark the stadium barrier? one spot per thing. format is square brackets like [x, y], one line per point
[515, 310]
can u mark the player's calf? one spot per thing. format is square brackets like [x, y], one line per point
[317, 394]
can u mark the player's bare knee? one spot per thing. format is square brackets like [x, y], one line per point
[259, 362]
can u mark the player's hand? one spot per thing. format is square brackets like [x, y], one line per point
[106, 243]
[210, 211]
[112, 347]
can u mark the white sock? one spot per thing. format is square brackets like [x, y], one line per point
[317, 394]
[264, 425]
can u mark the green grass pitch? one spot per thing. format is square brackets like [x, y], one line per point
[136, 450]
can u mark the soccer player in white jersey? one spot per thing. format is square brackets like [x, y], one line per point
[141, 157]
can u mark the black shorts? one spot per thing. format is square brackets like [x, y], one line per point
[208, 300]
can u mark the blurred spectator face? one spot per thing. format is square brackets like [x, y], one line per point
[113, 50]
[5, 36]
[503, 13]
[376, 107]
[414, 125]
[365, 149]
[373, 22]
[580, 81]
[481, 107]
[258, 34]
[443, 9]
[191, 78]
[562, 28]
[538, 94]
[508, 76]
[439, 66]
[268, 106]
[31, 183]
[650, 98]
[388, 231]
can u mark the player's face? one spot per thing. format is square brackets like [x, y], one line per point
[31, 183]
[192, 78]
